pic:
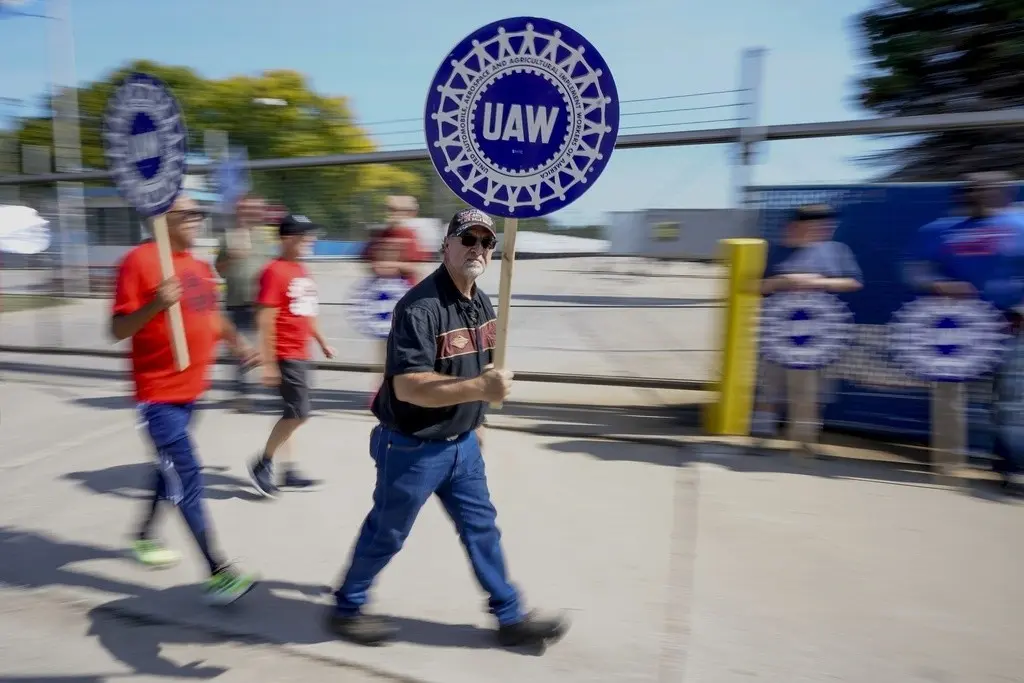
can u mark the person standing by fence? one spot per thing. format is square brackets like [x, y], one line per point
[980, 253]
[241, 256]
[808, 260]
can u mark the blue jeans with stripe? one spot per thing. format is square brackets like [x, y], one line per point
[179, 477]
[409, 471]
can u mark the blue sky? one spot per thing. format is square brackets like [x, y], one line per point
[382, 54]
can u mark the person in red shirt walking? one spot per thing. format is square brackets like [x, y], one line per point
[166, 397]
[287, 322]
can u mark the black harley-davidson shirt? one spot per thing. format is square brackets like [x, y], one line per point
[434, 328]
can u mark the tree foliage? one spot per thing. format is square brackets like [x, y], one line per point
[945, 56]
[309, 124]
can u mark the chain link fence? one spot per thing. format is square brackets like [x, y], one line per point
[585, 315]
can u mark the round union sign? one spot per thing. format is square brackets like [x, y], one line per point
[373, 303]
[805, 330]
[947, 340]
[145, 143]
[521, 117]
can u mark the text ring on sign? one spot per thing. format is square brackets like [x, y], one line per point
[145, 143]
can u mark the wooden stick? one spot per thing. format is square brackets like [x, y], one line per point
[179, 345]
[508, 262]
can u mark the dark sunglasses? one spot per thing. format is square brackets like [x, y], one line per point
[190, 215]
[470, 240]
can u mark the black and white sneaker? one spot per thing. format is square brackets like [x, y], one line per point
[262, 473]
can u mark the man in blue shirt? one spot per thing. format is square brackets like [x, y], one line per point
[808, 260]
[981, 254]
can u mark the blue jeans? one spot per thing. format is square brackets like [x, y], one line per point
[244, 320]
[409, 471]
[179, 477]
[1008, 410]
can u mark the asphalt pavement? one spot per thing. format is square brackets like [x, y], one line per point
[685, 563]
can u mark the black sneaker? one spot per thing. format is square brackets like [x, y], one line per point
[362, 629]
[262, 473]
[293, 480]
[533, 630]
[1011, 486]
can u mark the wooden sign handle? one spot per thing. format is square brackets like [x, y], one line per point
[179, 345]
[508, 262]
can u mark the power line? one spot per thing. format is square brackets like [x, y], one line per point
[680, 123]
[679, 109]
[633, 101]
[680, 97]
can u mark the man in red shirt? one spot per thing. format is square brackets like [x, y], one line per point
[167, 397]
[287, 321]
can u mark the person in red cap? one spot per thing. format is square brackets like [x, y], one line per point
[167, 397]
[288, 322]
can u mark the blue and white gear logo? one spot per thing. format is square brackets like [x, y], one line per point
[145, 143]
[522, 117]
[947, 340]
[805, 330]
[373, 304]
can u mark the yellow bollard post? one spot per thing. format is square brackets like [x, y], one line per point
[729, 414]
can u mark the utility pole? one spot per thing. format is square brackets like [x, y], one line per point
[67, 144]
[750, 138]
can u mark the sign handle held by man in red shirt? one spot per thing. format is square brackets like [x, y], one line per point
[179, 346]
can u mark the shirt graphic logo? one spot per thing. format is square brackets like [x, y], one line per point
[460, 342]
[302, 297]
[197, 293]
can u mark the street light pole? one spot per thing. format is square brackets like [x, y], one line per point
[67, 143]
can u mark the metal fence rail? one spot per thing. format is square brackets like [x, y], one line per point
[1004, 118]
[588, 326]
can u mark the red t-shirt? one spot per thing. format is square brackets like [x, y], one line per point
[287, 286]
[152, 361]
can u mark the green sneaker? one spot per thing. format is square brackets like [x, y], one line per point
[227, 585]
[154, 555]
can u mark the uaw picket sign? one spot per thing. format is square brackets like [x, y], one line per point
[373, 303]
[145, 143]
[937, 339]
[521, 117]
[805, 330]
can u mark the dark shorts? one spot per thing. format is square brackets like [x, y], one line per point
[295, 388]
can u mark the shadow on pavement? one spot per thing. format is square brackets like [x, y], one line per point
[278, 612]
[667, 423]
[743, 459]
[134, 482]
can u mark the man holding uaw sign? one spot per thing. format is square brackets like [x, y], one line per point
[166, 304]
[521, 119]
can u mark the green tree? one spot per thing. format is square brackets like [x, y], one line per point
[308, 124]
[944, 56]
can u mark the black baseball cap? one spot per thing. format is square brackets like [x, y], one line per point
[469, 218]
[295, 224]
